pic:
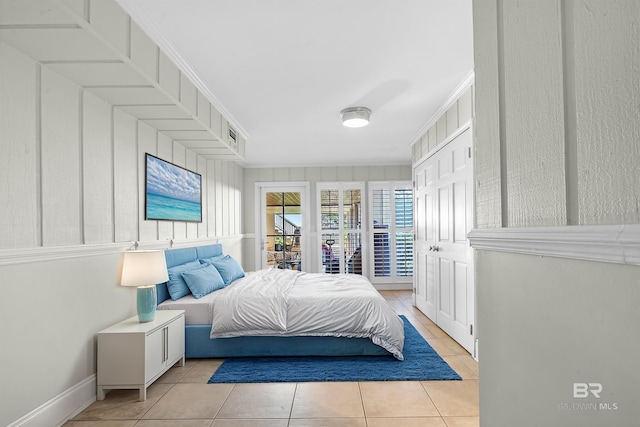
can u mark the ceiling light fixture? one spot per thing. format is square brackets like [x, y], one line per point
[355, 117]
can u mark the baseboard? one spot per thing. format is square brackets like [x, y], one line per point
[62, 407]
[393, 286]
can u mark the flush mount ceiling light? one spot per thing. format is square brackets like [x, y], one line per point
[355, 117]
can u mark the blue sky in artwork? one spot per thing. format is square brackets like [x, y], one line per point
[169, 180]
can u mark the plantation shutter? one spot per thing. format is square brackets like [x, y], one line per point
[404, 231]
[391, 205]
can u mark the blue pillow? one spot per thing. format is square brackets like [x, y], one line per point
[176, 285]
[229, 269]
[203, 281]
[210, 260]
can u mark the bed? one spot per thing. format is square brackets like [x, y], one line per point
[279, 312]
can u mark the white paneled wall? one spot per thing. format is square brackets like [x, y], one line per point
[607, 112]
[557, 149]
[71, 198]
[458, 114]
[535, 188]
[74, 167]
[20, 150]
[60, 148]
[97, 171]
[125, 175]
[559, 95]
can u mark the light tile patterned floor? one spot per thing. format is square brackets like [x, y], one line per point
[182, 397]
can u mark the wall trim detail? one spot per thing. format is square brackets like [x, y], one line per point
[54, 253]
[457, 92]
[462, 129]
[62, 407]
[619, 244]
[154, 33]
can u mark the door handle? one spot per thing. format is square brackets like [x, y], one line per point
[434, 248]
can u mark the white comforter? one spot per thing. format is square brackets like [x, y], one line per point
[288, 302]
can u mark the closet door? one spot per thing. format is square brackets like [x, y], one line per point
[453, 255]
[424, 277]
[444, 215]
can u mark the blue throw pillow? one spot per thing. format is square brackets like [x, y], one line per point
[203, 281]
[229, 269]
[210, 260]
[176, 285]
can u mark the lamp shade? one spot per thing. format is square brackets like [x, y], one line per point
[355, 117]
[142, 268]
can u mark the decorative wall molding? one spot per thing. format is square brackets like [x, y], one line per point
[457, 92]
[62, 407]
[462, 129]
[152, 30]
[55, 253]
[618, 244]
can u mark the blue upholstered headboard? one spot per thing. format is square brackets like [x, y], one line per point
[183, 255]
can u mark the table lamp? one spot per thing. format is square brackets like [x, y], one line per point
[144, 269]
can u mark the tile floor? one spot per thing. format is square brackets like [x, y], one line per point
[182, 397]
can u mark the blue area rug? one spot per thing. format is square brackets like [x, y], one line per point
[421, 363]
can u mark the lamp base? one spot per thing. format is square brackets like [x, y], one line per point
[147, 302]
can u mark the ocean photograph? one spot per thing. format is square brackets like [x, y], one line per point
[172, 193]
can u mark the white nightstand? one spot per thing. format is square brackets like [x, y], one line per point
[133, 354]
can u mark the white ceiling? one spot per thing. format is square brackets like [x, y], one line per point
[281, 70]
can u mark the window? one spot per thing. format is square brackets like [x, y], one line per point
[391, 231]
[340, 227]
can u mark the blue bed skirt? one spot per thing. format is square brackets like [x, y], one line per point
[199, 345]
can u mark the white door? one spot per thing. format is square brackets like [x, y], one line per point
[445, 283]
[283, 225]
[425, 239]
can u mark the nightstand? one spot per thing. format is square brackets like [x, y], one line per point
[132, 355]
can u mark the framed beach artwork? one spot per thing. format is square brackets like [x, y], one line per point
[172, 193]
